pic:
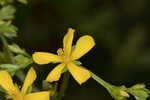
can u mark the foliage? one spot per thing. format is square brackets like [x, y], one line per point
[13, 59]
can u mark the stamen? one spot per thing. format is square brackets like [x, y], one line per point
[60, 52]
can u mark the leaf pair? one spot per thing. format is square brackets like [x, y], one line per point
[21, 60]
[139, 91]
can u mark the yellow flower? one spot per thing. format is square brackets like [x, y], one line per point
[14, 92]
[66, 57]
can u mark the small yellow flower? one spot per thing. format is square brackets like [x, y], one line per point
[66, 57]
[14, 92]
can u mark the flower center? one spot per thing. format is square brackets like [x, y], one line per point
[67, 59]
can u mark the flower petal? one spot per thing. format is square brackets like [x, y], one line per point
[81, 75]
[30, 78]
[55, 74]
[84, 44]
[38, 96]
[7, 83]
[45, 57]
[67, 41]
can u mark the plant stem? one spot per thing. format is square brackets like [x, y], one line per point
[101, 81]
[64, 86]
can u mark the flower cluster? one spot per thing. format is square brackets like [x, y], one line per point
[66, 57]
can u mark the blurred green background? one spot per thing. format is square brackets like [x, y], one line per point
[120, 28]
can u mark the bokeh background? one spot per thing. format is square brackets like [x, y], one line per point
[119, 27]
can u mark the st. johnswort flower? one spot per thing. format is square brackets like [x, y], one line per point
[66, 57]
[13, 91]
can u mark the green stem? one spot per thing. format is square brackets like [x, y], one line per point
[101, 81]
[64, 86]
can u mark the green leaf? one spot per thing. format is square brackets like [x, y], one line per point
[138, 86]
[7, 12]
[16, 49]
[23, 1]
[7, 29]
[139, 92]
[11, 68]
[22, 61]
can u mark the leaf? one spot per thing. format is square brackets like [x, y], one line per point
[22, 61]
[139, 94]
[7, 12]
[139, 91]
[16, 49]
[23, 1]
[138, 86]
[7, 29]
[11, 68]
